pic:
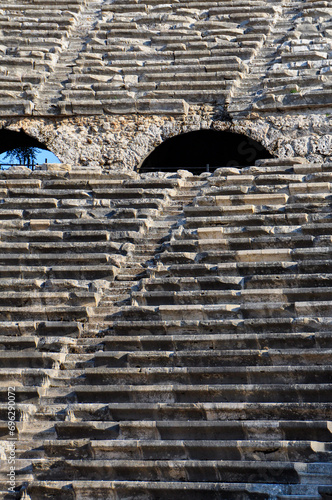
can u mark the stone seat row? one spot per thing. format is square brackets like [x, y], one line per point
[249, 232]
[280, 379]
[183, 490]
[41, 368]
[192, 326]
[191, 450]
[218, 241]
[259, 374]
[10, 192]
[66, 226]
[218, 366]
[12, 286]
[131, 65]
[181, 393]
[197, 412]
[251, 295]
[163, 470]
[161, 489]
[304, 204]
[66, 4]
[242, 269]
[27, 337]
[72, 248]
[213, 430]
[72, 271]
[236, 283]
[275, 327]
[229, 361]
[310, 308]
[54, 20]
[207, 340]
[301, 173]
[64, 212]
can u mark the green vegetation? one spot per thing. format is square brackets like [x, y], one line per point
[24, 155]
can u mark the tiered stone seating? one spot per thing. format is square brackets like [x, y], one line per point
[33, 34]
[158, 56]
[69, 243]
[214, 381]
[130, 57]
[292, 72]
[56, 259]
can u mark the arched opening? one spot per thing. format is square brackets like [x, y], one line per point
[18, 148]
[204, 150]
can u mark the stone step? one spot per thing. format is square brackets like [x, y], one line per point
[68, 247]
[37, 259]
[43, 313]
[215, 358]
[130, 449]
[74, 235]
[258, 326]
[213, 297]
[316, 478]
[75, 225]
[237, 283]
[27, 395]
[77, 272]
[259, 255]
[232, 269]
[66, 212]
[300, 204]
[192, 244]
[201, 312]
[45, 298]
[197, 430]
[260, 374]
[299, 497]
[119, 192]
[180, 393]
[44, 285]
[254, 231]
[133, 181]
[251, 222]
[41, 328]
[198, 470]
[213, 341]
[187, 490]
[181, 411]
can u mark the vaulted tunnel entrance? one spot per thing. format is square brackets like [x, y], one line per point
[204, 150]
[20, 148]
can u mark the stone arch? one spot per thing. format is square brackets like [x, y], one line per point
[205, 149]
[10, 139]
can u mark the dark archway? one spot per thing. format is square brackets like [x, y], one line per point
[193, 151]
[10, 140]
[20, 145]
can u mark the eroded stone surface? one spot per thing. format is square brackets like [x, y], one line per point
[164, 334]
[122, 143]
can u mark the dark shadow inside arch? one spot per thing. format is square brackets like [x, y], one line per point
[194, 151]
[11, 140]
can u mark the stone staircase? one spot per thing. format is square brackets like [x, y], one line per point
[168, 336]
[292, 71]
[80, 57]
[33, 35]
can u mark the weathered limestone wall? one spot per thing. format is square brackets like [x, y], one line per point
[104, 83]
[123, 142]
